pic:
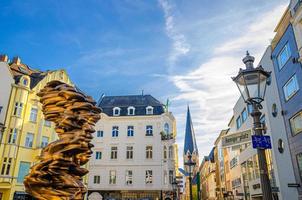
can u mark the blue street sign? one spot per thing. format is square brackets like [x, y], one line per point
[261, 142]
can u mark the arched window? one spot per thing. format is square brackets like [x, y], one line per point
[131, 110]
[149, 110]
[167, 128]
[116, 111]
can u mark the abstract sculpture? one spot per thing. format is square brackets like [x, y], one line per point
[59, 174]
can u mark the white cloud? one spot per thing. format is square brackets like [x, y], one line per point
[209, 87]
[179, 46]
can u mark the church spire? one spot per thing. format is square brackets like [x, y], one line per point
[190, 141]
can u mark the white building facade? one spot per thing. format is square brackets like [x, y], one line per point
[244, 157]
[135, 151]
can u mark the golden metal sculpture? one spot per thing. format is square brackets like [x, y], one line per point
[59, 174]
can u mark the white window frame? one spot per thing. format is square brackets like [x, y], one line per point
[149, 177]
[33, 115]
[294, 130]
[149, 110]
[99, 133]
[113, 153]
[12, 139]
[288, 53]
[129, 152]
[98, 155]
[29, 141]
[18, 109]
[129, 109]
[149, 130]
[129, 177]
[96, 179]
[43, 143]
[115, 131]
[130, 131]
[112, 177]
[47, 123]
[118, 113]
[289, 96]
[149, 152]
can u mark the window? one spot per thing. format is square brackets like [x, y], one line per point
[116, 111]
[131, 110]
[171, 152]
[233, 162]
[238, 122]
[23, 171]
[129, 177]
[165, 152]
[25, 81]
[171, 176]
[33, 115]
[112, 177]
[115, 131]
[99, 133]
[296, 123]
[113, 153]
[96, 179]
[149, 152]
[165, 177]
[167, 128]
[130, 131]
[299, 160]
[47, 123]
[12, 138]
[283, 56]
[291, 87]
[148, 178]
[98, 155]
[29, 140]
[18, 109]
[44, 142]
[244, 115]
[6, 166]
[149, 130]
[149, 110]
[129, 152]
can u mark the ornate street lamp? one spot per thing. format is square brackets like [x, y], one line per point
[251, 83]
[190, 164]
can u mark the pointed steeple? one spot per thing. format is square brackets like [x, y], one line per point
[190, 141]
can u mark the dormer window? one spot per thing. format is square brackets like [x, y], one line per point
[149, 110]
[131, 110]
[116, 111]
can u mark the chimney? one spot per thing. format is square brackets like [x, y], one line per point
[17, 60]
[3, 58]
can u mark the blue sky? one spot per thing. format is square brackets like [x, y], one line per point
[182, 50]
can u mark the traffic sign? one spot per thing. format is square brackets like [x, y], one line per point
[261, 142]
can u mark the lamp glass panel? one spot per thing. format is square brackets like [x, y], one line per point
[252, 83]
[242, 87]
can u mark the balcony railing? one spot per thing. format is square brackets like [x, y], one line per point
[165, 136]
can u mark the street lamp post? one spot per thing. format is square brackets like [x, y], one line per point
[251, 83]
[190, 164]
[174, 186]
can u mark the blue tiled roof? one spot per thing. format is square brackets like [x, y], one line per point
[139, 102]
[190, 141]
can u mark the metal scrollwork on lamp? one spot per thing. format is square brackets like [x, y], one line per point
[59, 173]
